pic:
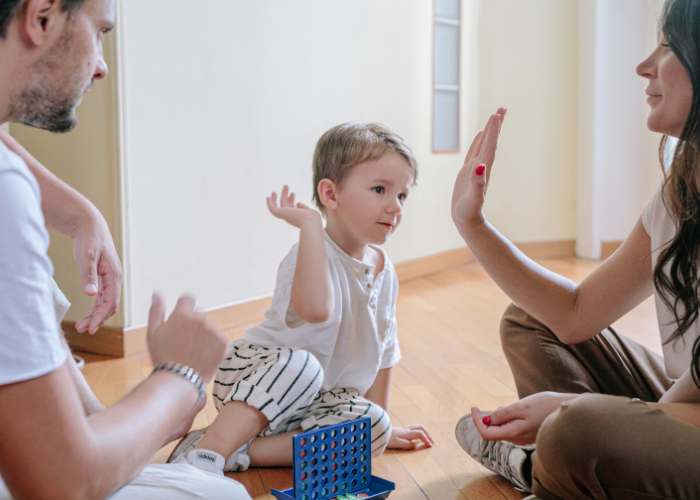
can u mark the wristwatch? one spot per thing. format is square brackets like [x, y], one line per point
[186, 372]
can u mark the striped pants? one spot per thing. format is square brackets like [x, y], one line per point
[283, 383]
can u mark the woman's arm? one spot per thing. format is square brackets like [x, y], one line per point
[50, 449]
[69, 212]
[312, 290]
[683, 390]
[573, 312]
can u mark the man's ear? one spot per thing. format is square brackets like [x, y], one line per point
[328, 194]
[42, 21]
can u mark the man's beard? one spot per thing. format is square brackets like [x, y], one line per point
[37, 107]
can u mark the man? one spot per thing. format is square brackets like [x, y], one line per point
[50, 53]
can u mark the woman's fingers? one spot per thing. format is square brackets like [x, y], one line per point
[493, 432]
[476, 146]
[504, 414]
[488, 151]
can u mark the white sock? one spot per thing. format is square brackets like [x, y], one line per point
[207, 460]
[239, 460]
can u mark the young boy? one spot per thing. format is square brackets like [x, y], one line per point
[325, 350]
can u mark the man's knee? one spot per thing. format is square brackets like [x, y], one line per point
[180, 482]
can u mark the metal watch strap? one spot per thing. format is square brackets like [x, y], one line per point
[186, 372]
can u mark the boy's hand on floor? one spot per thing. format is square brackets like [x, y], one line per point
[407, 438]
[296, 214]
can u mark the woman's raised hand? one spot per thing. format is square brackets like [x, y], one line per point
[295, 214]
[470, 187]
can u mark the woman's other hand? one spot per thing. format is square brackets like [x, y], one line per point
[519, 422]
[470, 187]
[296, 214]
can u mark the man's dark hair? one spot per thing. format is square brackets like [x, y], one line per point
[8, 10]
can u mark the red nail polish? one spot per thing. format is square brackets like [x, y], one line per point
[480, 170]
[486, 420]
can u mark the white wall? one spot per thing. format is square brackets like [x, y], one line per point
[527, 63]
[223, 103]
[616, 151]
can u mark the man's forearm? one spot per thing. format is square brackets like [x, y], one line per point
[64, 208]
[90, 402]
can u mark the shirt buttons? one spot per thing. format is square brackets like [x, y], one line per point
[366, 271]
[369, 285]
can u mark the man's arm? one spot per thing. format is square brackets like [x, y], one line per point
[88, 399]
[69, 212]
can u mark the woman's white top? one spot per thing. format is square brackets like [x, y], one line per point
[661, 228]
[30, 342]
[359, 338]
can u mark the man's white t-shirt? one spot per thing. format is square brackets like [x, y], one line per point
[661, 228]
[359, 338]
[30, 343]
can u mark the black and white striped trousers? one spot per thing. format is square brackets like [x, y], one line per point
[284, 383]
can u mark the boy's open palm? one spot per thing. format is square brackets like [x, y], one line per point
[295, 214]
[470, 187]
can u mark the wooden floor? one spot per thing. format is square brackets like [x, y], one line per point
[452, 360]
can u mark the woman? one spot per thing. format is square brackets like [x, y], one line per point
[639, 435]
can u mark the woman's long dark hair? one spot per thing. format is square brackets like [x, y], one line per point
[676, 273]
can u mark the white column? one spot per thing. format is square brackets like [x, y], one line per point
[614, 145]
[5, 127]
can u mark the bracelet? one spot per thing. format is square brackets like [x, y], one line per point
[186, 372]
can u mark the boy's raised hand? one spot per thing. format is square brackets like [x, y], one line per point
[295, 214]
[470, 187]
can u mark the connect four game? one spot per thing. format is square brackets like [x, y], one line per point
[335, 462]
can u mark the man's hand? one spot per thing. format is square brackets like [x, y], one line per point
[407, 438]
[295, 214]
[100, 271]
[519, 422]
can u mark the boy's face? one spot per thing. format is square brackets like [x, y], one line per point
[371, 199]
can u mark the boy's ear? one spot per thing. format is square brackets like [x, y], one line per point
[328, 194]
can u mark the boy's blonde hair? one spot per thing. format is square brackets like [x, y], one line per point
[349, 144]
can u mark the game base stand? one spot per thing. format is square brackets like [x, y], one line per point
[335, 462]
